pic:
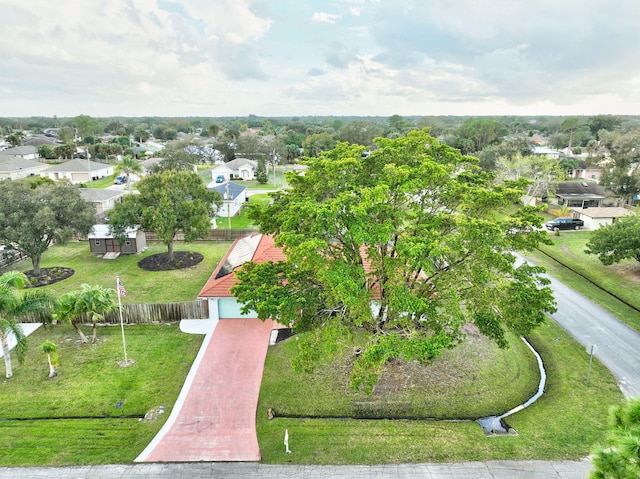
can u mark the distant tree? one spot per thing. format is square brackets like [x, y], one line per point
[541, 173]
[49, 348]
[86, 126]
[169, 202]
[47, 152]
[176, 161]
[15, 139]
[316, 143]
[436, 125]
[571, 126]
[261, 171]
[14, 304]
[66, 134]
[622, 167]
[128, 166]
[413, 225]
[619, 458]
[360, 132]
[90, 302]
[142, 134]
[31, 220]
[66, 151]
[508, 149]
[603, 122]
[213, 129]
[617, 241]
[477, 133]
[398, 126]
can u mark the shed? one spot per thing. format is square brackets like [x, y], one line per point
[596, 217]
[102, 241]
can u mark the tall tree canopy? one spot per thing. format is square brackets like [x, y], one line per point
[413, 227]
[32, 219]
[169, 202]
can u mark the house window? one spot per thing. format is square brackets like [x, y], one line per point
[97, 242]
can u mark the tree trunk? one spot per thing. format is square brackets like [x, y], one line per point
[35, 261]
[83, 338]
[7, 355]
[170, 250]
[52, 371]
[94, 328]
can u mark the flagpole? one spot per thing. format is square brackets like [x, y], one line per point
[124, 343]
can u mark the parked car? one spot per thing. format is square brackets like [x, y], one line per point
[220, 179]
[564, 224]
[120, 180]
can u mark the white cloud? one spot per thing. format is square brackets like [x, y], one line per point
[322, 17]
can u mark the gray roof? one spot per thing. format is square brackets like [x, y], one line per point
[15, 163]
[238, 162]
[235, 189]
[20, 150]
[103, 231]
[40, 140]
[77, 164]
[95, 195]
[580, 189]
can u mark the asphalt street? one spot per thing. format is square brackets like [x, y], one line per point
[617, 346]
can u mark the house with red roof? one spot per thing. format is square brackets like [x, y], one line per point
[258, 248]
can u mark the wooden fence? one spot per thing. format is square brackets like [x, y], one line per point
[214, 235]
[148, 313]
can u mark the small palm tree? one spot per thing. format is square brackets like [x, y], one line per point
[14, 304]
[50, 348]
[91, 301]
[127, 166]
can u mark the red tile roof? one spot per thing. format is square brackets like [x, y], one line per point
[219, 287]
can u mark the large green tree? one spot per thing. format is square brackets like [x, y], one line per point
[13, 304]
[617, 241]
[622, 167]
[619, 458]
[169, 202]
[415, 228]
[476, 133]
[32, 219]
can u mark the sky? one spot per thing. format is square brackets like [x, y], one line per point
[218, 58]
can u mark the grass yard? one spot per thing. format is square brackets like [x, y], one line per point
[91, 384]
[621, 279]
[142, 286]
[569, 418]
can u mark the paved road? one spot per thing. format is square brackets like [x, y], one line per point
[616, 345]
[244, 470]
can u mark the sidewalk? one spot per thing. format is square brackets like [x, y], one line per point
[243, 470]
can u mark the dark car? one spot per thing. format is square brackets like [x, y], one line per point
[564, 224]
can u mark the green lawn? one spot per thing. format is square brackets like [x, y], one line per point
[142, 286]
[569, 418]
[91, 384]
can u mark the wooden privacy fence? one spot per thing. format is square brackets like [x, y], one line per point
[148, 313]
[214, 235]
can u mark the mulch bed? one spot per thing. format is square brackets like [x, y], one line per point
[48, 276]
[160, 262]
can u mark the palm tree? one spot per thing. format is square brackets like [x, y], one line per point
[14, 304]
[89, 301]
[49, 348]
[127, 166]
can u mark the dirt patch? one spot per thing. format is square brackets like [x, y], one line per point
[48, 276]
[630, 272]
[161, 262]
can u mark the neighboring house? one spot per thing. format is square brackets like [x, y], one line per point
[596, 217]
[28, 152]
[222, 304]
[79, 171]
[16, 167]
[101, 241]
[233, 196]
[102, 199]
[580, 194]
[242, 168]
[583, 172]
[545, 150]
[148, 164]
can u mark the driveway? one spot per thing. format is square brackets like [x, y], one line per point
[215, 417]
